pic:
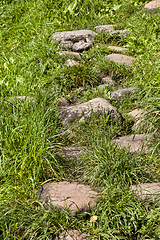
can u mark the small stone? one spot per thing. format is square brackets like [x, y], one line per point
[69, 152]
[120, 58]
[77, 197]
[22, 99]
[73, 235]
[118, 49]
[63, 102]
[71, 63]
[147, 191]
[106, 28]
[74, 55]
[134, 142]
[120, 32]
[122, 93]
[153, 5]
[137, 114]
[109, 81]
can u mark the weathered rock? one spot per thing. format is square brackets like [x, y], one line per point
[63, 102]
[77, 197]
[102, 86]
[118, 49]
[22, 99]
[69, 152]
[122, 93]
[71, 63]
[137, 114]
[77, 41]
[120, 32]
[120, 58]
[134, 142]
[153, 5]
[84, 110]
[147, 191]
[109, 81]
[106, 28]
[73, 235]
[70, 54]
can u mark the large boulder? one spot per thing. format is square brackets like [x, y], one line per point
[77, 41]
[84, 110]
[77, 197]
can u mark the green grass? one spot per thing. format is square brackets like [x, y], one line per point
[30, 134]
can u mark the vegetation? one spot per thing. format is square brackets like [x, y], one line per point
[31, 133]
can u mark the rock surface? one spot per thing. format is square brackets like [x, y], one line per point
[147, 191]
[71, 63]
[83, 111]
[106, 28]
[73, 235]
[137, 114]
[122, 93]
[134, 142]
[120, 58]
[118, 49]
[153, 5]
[77, 41]
[77, 197]
[69, 152]
[109, 81]
[70, 54]
[22, 99]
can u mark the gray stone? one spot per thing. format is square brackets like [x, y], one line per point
[83, 111]
[118, 49]
[77, 41]
[147, 191]
[70, 54]
[63, 102]
[134, 142]
[71, 63]
[138, 115]
[106, 28]
[109, 81]
[153, 5]
[69, 152]
[122, 93]
[73, 235]
[77, 197]
[22, 99]
[120, 58]
[120, 32]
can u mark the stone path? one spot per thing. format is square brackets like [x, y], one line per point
[80, 197]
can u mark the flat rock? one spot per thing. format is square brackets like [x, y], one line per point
[147, 191]
[70, 54]
[122, 93]
[77, 41]
[69, 152]
[109, 81]
[134, 142]
[77, 197]
[120, 58]
[118, 49]
[73, 235]
[83, 111]
[153, 5]
[71, 63]
[106, 28]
